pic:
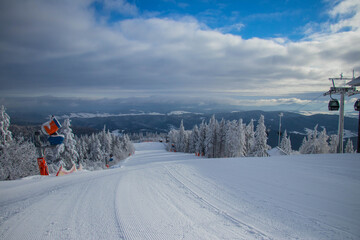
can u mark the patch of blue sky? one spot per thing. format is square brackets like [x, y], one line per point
[246, 18]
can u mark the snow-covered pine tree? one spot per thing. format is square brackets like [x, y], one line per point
[182, 138]
[308, 144]
[5, 133]
[128, 147]
[211, 138]
[173, 138]
[194, 137]
[334, 143]
[349, 146]
[311, 146]
[285, 143]
[261, 146]
[231, 139]
[80, 149]
[105, 141]
[200, 145]
[221, 135]
[241, 139]
[96, 155]
[323, 142]
[18, 160]
[117, 148]
[315, 142]
[86, 146]
[304, 146]
[17, 156]
[250, 138]
[70, 155]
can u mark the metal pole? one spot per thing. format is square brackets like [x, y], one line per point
[280, 115]
[341, 123]
[358, 140]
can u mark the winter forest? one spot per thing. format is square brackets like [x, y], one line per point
[213, 140]
[235, 139]
[18, 155]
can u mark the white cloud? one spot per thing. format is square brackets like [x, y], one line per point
[270, 102]
[49, 45]
[344, 16]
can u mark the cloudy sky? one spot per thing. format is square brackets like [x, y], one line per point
[254, 52]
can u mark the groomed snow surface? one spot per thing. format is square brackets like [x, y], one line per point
[162, 195]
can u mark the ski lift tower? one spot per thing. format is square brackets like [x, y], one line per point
[334, 104]
[353, 83]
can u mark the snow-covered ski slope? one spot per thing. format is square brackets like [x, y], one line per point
[161, 195]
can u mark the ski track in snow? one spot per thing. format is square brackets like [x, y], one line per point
[156, 194]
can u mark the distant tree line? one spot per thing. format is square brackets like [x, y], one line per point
[235, 139]
[18, 155]
[221, 139]
[92, 151]
[317, 142]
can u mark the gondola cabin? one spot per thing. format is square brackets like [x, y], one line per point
[333, 105]
[357, 105]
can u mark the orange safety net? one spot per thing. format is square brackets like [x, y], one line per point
[63, 171]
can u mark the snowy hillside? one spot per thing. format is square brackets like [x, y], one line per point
[161, 195]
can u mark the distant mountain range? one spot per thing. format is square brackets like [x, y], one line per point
[140, 121]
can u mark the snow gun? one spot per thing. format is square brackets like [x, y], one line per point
[50, 129]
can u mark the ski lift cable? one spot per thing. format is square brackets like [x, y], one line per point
[310, 101]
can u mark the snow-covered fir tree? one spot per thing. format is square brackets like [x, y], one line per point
[221, 138]
[231, 139]
[250, 138]
[105, 140]
[97, 149]
[224, 139]
[349, 146]
[80, 149]
[241, 129]
[173, 137]
[18, 160]
[323, 142]
[17, 156]
[261, 146]
[308, 144]
[285, 143]
[211, 138]
[235, 139]
[193, 139]
[116, 148]
[96, 153]
[181, 142]
[334, 143]
[126, 149]
[315, 142]
[70, 154]
[5, 134]
[200, 145]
